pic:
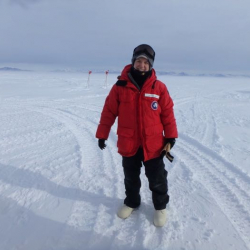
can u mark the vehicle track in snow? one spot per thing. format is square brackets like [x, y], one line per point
[95, 166]
[83, 129]
[227, 184]
[78, 120]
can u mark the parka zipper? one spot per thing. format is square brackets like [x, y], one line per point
[141, 120]
[138, 111]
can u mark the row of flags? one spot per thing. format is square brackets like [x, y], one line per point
[106, 72]
[105, 83]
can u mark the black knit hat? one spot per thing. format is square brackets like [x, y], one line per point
[145, 51]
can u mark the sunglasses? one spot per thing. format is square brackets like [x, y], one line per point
[146, 49]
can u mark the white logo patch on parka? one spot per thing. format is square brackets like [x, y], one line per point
[154, 105]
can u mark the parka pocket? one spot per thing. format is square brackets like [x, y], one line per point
[154, 138]
[125, 141]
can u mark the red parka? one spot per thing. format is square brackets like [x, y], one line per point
[145, 117]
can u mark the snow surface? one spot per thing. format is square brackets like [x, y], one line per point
[58, 190]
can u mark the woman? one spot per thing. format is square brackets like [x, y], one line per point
[146, 130]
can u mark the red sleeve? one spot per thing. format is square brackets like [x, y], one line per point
[167, 114]
[109, 114]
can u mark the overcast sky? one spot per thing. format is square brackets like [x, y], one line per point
[187, 35]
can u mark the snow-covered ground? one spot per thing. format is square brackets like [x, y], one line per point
[59, 191]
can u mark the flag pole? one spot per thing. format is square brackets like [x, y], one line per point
[89, 78]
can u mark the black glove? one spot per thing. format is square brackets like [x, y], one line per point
[171, 141]
[166, 150]
[101, 144]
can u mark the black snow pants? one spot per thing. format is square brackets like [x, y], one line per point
[157, 178]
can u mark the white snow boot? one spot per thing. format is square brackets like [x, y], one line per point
[160, 217]
[124, 212]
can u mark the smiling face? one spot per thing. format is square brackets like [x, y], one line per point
[141, 64]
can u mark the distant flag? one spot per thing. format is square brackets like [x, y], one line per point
[106, 80]
[89, 78]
